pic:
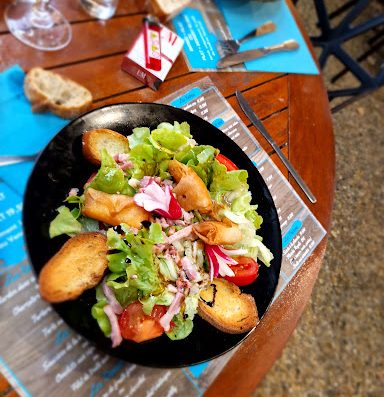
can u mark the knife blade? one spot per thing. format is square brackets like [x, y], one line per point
[240, 57]
[9, 160]
[246, 108]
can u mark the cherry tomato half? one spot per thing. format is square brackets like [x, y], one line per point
[246, 271]
[138, 326]
[227, 162]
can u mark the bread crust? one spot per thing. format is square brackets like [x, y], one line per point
[232, 311]
[165, 9]
[94, 140]
[42, 103]
[79, 265]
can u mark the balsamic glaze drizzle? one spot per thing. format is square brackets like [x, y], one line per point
[212, 302]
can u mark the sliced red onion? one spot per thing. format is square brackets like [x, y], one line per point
[221, 254]
[219, 261]
[152, 198]
[112, 301]
[173, 309]
[237, 252]
[115, 329]
[189, 269]
[183, 233]
[213, 263]
[224, 269]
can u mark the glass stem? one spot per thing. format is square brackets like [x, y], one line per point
[41, 17]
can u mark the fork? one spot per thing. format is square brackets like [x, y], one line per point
[231, 46]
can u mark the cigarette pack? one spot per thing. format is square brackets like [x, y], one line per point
[152, 54]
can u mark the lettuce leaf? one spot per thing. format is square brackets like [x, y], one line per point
[182, 128]
[191, 304]
[223, 180]
[165, 298]
[148, 160]
[167, 140]
[110, 178]
[183, 327]
[200, 159]
[167, 268]
[139, 135]
[155, 234]
[65, 222]
[124, 292]
[89, 224]
[98, 313]
[136, 261]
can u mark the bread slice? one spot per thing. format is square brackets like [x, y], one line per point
[96, 140]
[48, 91]
[167, 8]
[224, 306]
[79, 265]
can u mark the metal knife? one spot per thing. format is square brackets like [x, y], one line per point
[9, 160]
[240, 57]
[246, 108]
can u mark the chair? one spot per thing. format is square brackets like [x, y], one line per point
[331, 40]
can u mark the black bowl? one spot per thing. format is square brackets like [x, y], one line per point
[61, 166]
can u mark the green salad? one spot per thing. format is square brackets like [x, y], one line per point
[175, 215]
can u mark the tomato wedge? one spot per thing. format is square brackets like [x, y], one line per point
[227, 162]
[137, 326]
[246, 271]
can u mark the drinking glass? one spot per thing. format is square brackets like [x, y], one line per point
[38, 24]
[100, 9]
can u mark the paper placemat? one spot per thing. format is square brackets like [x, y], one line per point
[204, 22]
[42, 357]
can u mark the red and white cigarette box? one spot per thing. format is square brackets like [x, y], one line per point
[150, 60]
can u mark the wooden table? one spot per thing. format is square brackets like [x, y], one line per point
[294, 108]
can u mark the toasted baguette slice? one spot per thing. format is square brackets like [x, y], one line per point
[167, 8]
[224, 306]
[96, 140]
[79, 265]
[48, 91]
[113, 209]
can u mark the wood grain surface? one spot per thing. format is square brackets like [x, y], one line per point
[295, 110]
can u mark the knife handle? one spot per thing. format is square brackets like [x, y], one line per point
[265, 28]
[288, 45]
